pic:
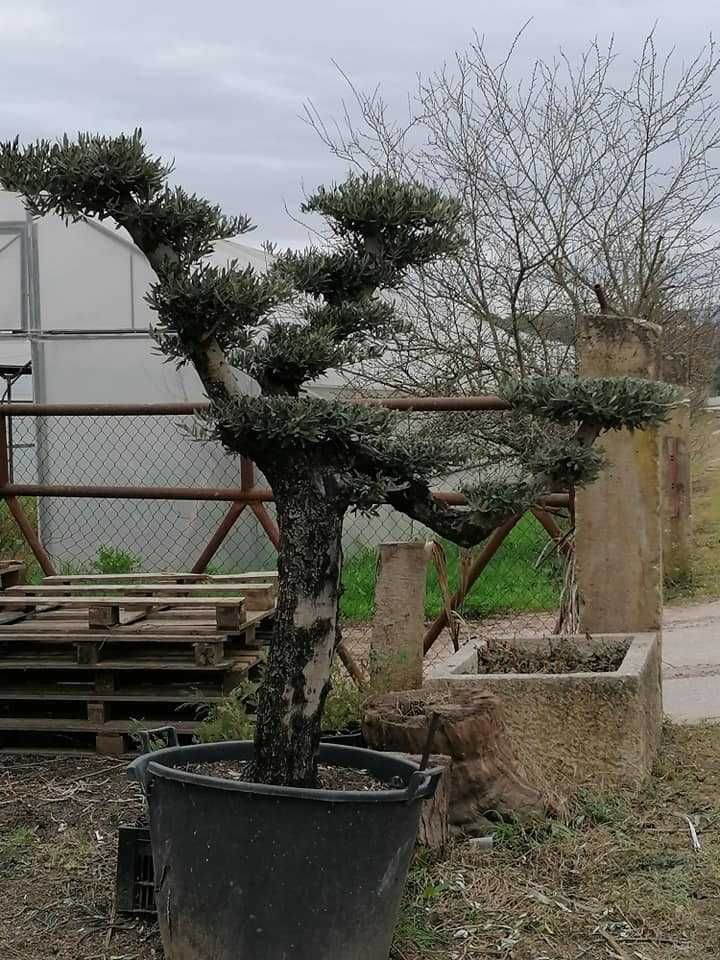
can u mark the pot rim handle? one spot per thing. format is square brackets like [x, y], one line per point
[138, 769]
[423, 783]
[148, 737]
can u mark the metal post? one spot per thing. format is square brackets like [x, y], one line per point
[216, 541]
[15, 507]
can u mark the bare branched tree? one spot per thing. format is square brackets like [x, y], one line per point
[568, 179]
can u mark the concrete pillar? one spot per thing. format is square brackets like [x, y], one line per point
[676, 482]
[396, 661]
[618, 529]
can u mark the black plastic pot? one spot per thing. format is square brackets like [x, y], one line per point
[352, 738]
[255, 872]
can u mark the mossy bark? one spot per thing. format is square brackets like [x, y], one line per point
[305, 636]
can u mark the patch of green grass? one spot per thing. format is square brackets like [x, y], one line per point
[18, 838]
[418, 931]
[114, 560]
[510, 583]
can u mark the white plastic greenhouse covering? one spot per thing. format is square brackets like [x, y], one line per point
[72, 302]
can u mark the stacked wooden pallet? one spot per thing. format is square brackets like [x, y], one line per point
[87, 660]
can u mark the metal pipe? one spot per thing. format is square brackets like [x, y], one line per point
[26, 528]
[419, 404]
[553, 530]
[238, 494]
[135, 493]
[15, 507]
[492, 545]
[19, 409]
[267, 523]
[217, 539]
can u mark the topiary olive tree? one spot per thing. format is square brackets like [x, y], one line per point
[310, 312]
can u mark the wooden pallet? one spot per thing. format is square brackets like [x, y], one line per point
[255, 596]
[89, 660]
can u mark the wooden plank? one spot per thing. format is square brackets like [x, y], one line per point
[133, 642]
[87, 653]
[164, 694]
[97, 711]
[227, 609]
[133, 638]
[137, 664]
[110, 744]
[251, 576]
[12, 574]
[200, 620]
[257, 596]
[166, 631]
[101, 616]
[45, 751]
[124, 578]
[210, 590]
[212, 652]
[104, 683]
[247, 638]
[254, 577]
[65, 725]
[228, 617]
[87, 601]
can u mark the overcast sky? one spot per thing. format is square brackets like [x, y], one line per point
[220, 84]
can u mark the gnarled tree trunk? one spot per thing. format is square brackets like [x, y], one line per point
[293, 695]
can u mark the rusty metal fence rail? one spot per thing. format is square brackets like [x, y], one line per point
[115, 487]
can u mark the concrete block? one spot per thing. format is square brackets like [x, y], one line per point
[600, 730]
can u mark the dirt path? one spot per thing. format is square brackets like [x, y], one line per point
[691, 661]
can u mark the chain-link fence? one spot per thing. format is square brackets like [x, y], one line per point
[516, 593]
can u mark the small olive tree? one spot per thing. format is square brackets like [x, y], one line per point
[310, 312]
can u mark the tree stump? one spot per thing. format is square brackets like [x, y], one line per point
[434, 827]
[484, 776]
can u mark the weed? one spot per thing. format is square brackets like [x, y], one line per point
[72, 853]
[18, 838]
[113, 560]
[598, 809]
[418, 928]
[232, 718]
[136, 731]
[343, 707]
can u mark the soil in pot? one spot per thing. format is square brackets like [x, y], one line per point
[557, 657]
[329, 777]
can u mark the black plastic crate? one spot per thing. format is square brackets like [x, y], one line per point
[135, 884]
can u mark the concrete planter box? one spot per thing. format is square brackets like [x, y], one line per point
[595, 729]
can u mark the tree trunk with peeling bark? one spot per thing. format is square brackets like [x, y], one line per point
[305, 634]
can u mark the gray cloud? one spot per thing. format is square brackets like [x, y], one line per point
[220, 85]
